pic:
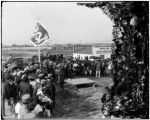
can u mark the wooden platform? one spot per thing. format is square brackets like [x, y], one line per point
[80, 81]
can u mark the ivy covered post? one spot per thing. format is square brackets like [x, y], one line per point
[129, 96]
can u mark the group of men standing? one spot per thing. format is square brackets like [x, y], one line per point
[23, 90]
[30, 90]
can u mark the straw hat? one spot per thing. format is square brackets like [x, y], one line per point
[41, 75]
[26, 98]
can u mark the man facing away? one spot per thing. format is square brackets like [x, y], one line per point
[24, 87]
[98, 70]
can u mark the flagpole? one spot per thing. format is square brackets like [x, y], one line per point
[73, 48]
[73, 51]
[39, 54]
[40, 35]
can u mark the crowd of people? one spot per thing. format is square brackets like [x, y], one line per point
[30, 88]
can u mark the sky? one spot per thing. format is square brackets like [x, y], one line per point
[66, 22]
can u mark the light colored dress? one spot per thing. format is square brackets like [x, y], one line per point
[17, 108]
[23, 111]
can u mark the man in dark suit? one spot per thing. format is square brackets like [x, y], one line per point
[52, 89]
[24, 86]
[8, 93]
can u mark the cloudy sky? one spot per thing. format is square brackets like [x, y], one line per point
[66, 22]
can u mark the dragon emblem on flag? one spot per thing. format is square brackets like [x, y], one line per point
[40, 35]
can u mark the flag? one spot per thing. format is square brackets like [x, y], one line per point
[40, 35]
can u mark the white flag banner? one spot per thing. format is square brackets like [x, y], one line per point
[40, 35]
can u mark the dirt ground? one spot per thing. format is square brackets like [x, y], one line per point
[83, 103]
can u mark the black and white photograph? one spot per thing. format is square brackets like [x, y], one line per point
[74, 60]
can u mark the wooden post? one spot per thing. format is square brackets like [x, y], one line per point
[73, 50]
[39, 54]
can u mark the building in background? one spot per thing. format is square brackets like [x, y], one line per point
[101, 50]
[62, 47]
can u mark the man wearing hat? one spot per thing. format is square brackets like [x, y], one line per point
[51, 87]
[51, 69]
[24, 110]
[18, 77]
[47, 89]
[5, 73]
[38, 84]
[8, 93]
[24, 86]
[38, 71]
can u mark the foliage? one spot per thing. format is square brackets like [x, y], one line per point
[130, 92]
